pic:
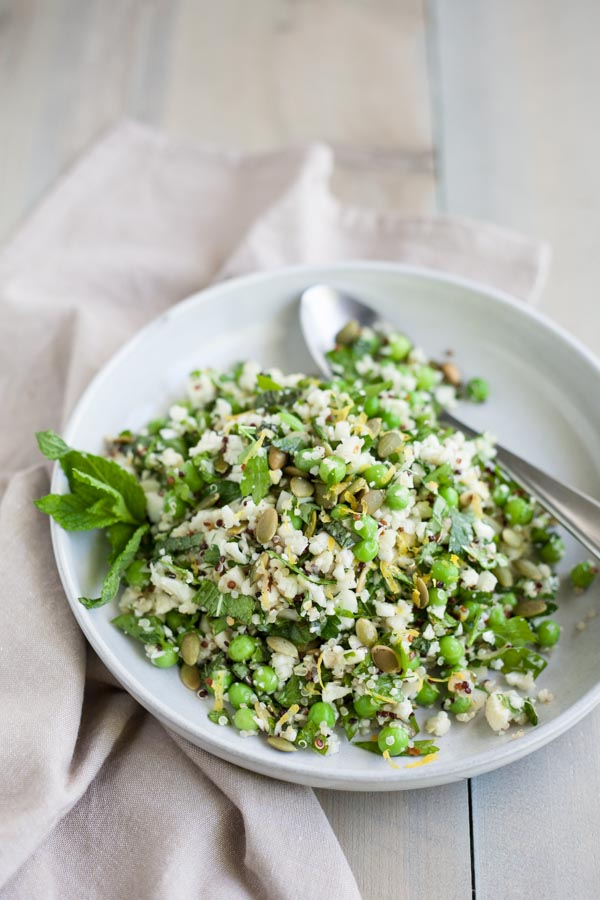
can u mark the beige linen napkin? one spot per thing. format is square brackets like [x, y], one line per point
[97, 799]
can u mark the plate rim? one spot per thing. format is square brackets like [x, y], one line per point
[327, 777]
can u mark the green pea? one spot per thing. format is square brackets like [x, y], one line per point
[265, 679]
[340, 512]
[478, 390]
[168, 658]
[295, 520]
[548, 633]
[540, 535]
[138, 573]
[400, 346]
[451, 649]
[223, 676]
[428, 694]
[427, 378]
[397, 496]
[366, 527]
[460, 705]
[496, 618]
[500, 494]
[583, 574]
[241, 695]
[366, 550]
[322, 712]
[366, 707]
[510, 600]
[177, 620]
[244, 720]
[372, 407]
[332, 470]
[375, 475]
[394, 739]
[553, 550]
[305, 459]
[242, 647]
[450, 495]
[518, 511]
[445, 571]
[390, 419]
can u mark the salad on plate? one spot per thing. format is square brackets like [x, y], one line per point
[326, 560]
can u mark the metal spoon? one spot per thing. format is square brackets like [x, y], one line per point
[325, 310]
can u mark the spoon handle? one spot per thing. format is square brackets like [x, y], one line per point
[577, 512]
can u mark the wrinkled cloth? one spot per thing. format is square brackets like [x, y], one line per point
[98, 799]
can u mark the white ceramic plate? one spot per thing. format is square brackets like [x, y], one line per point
[543, 405]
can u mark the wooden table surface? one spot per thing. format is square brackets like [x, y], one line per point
[480, 109]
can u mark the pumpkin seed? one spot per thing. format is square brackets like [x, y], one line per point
[221, 466]
[301, 487]
[385, 659]
[451, 373]
[390, 443]
[293, 470]
[373, 500]
[366, 632]
[527, 569]
[190, 677]
[512, 538]
[374, 426]
[358, 485]
[277, 458]
[190, 648]
[282, 645]
[421, 594]
[349, 333]
[529, 608]
[324, 497]
[266, 525]
[504, 576]
[281, 744]
[208, 501]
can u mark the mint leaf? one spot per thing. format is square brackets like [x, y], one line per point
[216, 604]
[112, 580]
[91, 488]
[239, 608]
[461, 530]
[209, 597]
[266, 383]
[51, 444]
[147, 629]
[341, 535]
[530, 711]
[520, 659]
[212, 555]
[181, 544]
[111, 475]
[291, 692]
[74, 514]
[515, 631]
[255, 480]
[118, 536]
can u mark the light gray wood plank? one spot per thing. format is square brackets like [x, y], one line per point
[519, 133]
[409, 845]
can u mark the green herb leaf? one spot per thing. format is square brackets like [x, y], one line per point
[112, 580]
[299, 571]
[515, 631]
[212, 555]
[520, 659]
[266, 383]
[341, 535]
[531, 712]
[291, 692]
[51, 444]
[217, 715]
[180, 544]
[290, 444]
[255, 480]
[147, 629]
[461, 530]
[118, 536]
[73, 513]
[216, 604]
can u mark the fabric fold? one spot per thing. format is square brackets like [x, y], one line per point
[98, 799]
